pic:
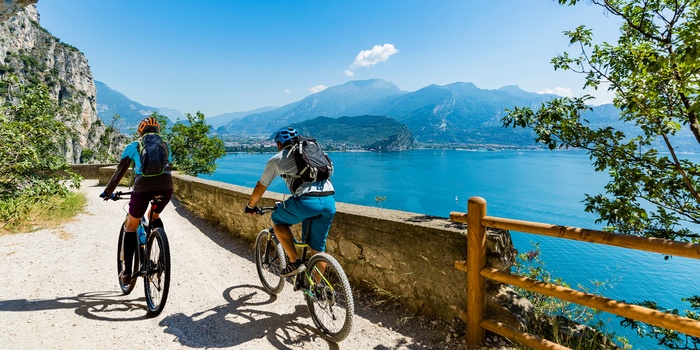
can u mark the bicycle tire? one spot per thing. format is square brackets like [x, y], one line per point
[157, 277]
[329, 299]
[126, 288]
[269, 261]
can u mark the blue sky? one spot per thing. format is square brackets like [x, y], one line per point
[228, 56]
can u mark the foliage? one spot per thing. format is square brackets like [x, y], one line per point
[379, 200]
[32, 164]
[653, 70]
[194, 151]
[25, 213]
[257, 148]
[671, 339]
[556, 320]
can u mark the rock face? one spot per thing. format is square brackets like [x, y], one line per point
[9, 7]
[36, 57]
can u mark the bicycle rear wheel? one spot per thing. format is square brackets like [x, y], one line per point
[157, 277]
[329, 297]
[269, 260]
[121, 263]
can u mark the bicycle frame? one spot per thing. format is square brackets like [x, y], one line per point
[324, 284]
[298, 283]
[146, 223]
[152, 260]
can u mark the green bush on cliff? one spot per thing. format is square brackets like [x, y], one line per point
[563, 322]
[33, 167]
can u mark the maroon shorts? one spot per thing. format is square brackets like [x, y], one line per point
[138, 204]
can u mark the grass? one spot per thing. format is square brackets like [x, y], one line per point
[25, 215]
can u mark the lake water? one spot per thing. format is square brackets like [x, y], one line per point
[540, 186]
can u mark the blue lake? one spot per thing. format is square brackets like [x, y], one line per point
[540, 186]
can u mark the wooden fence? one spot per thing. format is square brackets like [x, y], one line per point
[477, 273]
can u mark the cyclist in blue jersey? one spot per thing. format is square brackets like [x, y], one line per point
[312, 203]
[146, 188]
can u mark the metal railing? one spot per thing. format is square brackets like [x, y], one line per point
[477, 273]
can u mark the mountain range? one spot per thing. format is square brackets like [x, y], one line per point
[111, 102]
[458, 114]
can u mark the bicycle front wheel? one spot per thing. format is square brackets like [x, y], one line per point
[269, 260]
[157, 277]
[329, 297]
[121, 263]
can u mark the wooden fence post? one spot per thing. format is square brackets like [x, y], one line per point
[476, 260]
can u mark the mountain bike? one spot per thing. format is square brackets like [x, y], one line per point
[151, 260]
[324, 284]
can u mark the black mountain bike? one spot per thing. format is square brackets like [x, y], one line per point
[151, 261]
[324, 284]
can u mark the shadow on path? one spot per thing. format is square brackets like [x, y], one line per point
[241, 319]
[102, 306]
[376, 308]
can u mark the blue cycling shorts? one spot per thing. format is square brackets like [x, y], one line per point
[315, 211]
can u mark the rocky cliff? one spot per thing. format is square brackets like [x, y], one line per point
[36, 57]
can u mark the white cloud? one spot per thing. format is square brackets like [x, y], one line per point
[317, 88]
[368, 58]
[349, 73]
[287, 91]
[560, 91]
[601, 96]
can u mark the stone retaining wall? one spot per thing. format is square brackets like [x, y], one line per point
[399, 254]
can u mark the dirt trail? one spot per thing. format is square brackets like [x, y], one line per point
[58, 290]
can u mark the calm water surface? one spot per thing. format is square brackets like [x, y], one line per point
[540, 186]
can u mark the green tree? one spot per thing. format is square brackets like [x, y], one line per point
[33, 166]
[194, 151]
[654, 71]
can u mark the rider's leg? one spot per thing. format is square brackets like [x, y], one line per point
[129, 247]
[132, 223]
[284, 235]
[156, 221]
[320, 225]
[294, 265]
[137, 207]
[162, 198]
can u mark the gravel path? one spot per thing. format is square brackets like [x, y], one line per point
[58, 290]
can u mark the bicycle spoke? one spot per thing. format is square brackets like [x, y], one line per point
[329, 297]
[157, 274]
[269, 261]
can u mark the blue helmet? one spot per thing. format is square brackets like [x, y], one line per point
[285, 135]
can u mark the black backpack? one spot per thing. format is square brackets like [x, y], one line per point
[312, 163]
[154, 155]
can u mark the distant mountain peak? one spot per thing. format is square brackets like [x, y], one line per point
[512, 89]
[363, 85]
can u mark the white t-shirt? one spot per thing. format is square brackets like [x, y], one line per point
[281, 164]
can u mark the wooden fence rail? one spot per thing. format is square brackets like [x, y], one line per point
[477, 273]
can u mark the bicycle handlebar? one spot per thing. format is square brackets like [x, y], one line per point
[264, 210]
[118, 195]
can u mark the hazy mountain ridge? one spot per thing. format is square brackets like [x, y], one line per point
[350, 99]
[457, 113]
[223, 119]
[111, 102]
